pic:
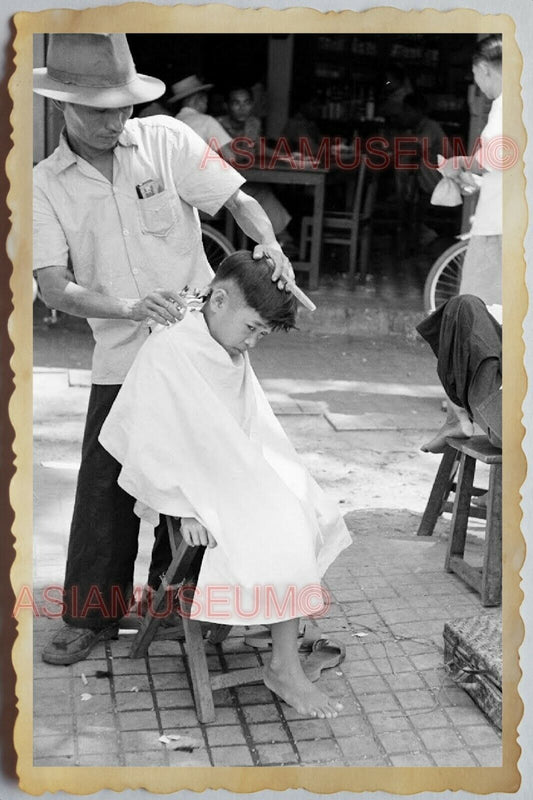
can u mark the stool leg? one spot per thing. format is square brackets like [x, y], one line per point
[197, 659]
[440, 491]
[491, 579]
[461, 509]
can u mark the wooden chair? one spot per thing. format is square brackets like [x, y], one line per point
[183, 569]
[463, 454]
[350, 228]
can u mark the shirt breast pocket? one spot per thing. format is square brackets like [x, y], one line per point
[158, 214]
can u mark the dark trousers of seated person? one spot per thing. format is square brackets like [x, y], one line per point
[104, 532]
[467, 341]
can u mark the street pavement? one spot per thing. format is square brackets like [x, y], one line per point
[357, 409]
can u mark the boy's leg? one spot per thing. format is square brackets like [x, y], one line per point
[285, 677]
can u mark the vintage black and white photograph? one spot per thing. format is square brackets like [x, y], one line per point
[267, 399]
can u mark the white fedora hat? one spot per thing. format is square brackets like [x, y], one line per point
[186, 87]
[93, 69]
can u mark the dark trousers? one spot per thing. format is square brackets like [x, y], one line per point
[467, 341]
[104, 533]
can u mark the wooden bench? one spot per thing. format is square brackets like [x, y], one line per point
[459, 458]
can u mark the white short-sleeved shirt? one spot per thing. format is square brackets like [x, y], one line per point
[205, 126]
[488, 215]
[123, 246]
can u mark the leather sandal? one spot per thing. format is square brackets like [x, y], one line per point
[74, 644]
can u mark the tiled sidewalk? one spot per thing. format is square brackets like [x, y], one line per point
[400, 706]
[390, 600]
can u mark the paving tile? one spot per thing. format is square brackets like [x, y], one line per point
[252, 695]
[52, 725]
[138, 720]
[225, 735]
[96, 722]
[385, 721]
[359, 747]
[417, 698]
[405, 680]
[276, 754]
[359, 668]
[241, 660]
[126, 683]
[268, 713]
[94, 705]
[453, 696]
[471, 715]
[147, 759]
[488, 756]
[178, 718]
[394, 666]
[112, 759]
[127, 666]
[238, 756]
[441, 739]
[384, 701]
[97, 743]
[54, 761]
[427, 660]
[310, 728]
[140, 741]
[226, 715]
[387, 649]
[170, 680]
[177, 698]
[132, 701]
[480, 735]
[399, 742]
[430, 718]
[166, 664]
[61, 744]
[411, 760]
[268, 732]
[453, 758]
[198, 758]
[318, 751]
[370, 684]
[46, 704]
[90, 668]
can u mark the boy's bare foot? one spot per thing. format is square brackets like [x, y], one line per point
[297, 691]
[458, 429]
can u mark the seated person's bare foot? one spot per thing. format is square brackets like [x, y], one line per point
[297, 691]
[458, 428]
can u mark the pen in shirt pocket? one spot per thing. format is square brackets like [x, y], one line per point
[148, 188]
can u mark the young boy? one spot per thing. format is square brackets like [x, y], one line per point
[197, 440]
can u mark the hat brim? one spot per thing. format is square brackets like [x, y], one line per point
[140, 90]
[178, 97]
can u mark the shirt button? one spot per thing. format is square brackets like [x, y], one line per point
[135, 271]
[125, 231]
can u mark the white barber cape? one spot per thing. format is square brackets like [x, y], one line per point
[196, 436]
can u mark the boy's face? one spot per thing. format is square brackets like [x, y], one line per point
[232, 323]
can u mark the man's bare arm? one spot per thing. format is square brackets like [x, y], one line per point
[252, 219]
[60, 292]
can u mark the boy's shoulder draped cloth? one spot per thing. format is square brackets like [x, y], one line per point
[196, 436]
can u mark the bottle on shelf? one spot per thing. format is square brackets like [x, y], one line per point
[370, 105]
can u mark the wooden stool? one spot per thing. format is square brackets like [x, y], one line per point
[464, 453]
[183, 568]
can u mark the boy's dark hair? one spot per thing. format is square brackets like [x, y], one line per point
[416, 101]
[254, 278]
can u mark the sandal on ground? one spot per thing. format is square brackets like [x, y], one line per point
[325, 654]
[74, 644]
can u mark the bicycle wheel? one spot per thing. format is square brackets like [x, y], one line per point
[444, 278]
[216, 246]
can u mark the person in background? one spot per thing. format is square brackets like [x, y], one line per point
[431, 142]
[192, 96]
[152, 110]
[245, 131]
[396, 87]
[117, 203]
[482, 268]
